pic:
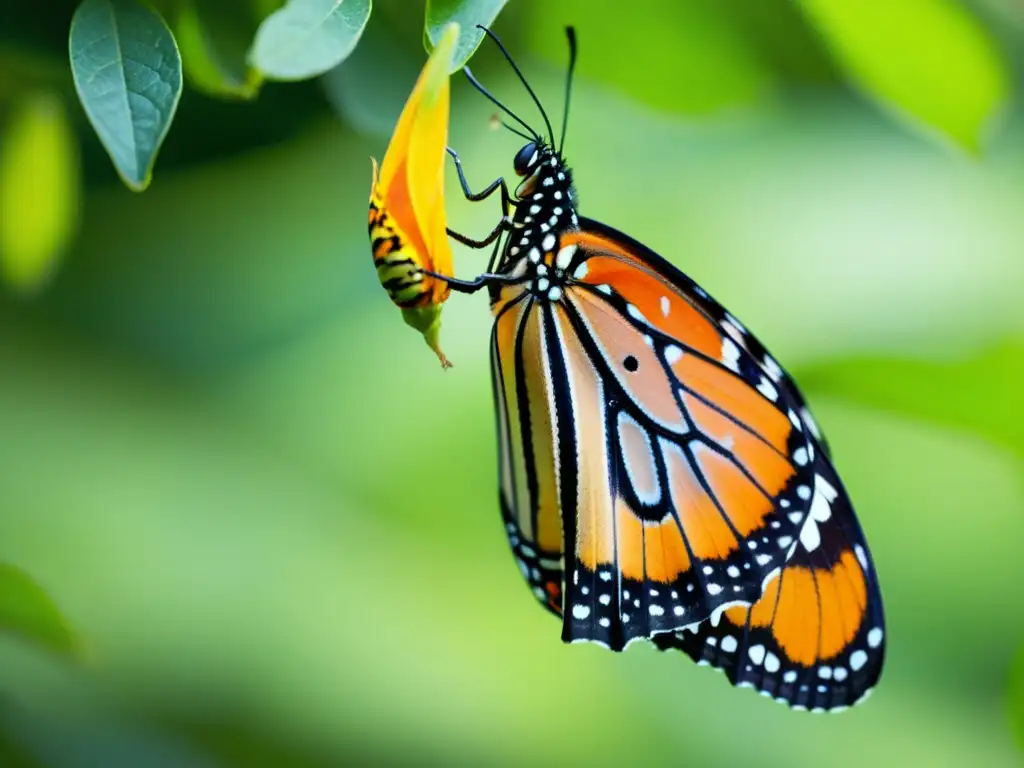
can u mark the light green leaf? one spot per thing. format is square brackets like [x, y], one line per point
[214, 37]
[40, 181]
[467, 13]
[128, 76]
[980, 394]
[688, 58]
[927, 60]
[306, 38]
[26, 610]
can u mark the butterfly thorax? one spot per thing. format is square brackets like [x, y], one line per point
[545, 208]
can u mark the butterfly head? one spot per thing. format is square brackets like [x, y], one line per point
[540, 159]
[527, 158]
[542, 171]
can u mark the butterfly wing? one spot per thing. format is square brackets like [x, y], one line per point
[526, 462]
[640, 438]
[816, 639]
[719, 315]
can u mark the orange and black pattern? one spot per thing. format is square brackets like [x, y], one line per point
[662, 477]
[815, 640]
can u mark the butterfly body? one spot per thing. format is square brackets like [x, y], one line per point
[661, 476]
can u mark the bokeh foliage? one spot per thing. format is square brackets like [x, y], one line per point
[271, 519]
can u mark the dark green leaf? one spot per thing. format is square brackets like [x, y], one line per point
[371, 86]
[928, 60]
[467, 14]
[1015, 698]
[128, 75]
[26, 610]
[306, 38]
[214, 37]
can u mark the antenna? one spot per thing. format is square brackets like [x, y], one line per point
[522, 79]
[479, 86]
[570, 32]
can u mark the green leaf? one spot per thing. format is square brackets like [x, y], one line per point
[980, 394]
[688, 58]
[467, 13]
[927, 60]
[26, 610]
[306, 38]
[40, 181]
[214, 38]
[369, 88]
[128, 76]
[1015, 697]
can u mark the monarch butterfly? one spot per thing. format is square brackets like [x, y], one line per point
[661, 476]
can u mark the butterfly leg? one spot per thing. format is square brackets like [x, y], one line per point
[506, 203]
[474, 285]
[506, 198]
[502, 226]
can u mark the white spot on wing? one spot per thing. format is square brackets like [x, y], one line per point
[858, 659]
[768, 389]
[666, 306]
[861, 556]
[810, 536]
[640, 464]
[635, 313]
[875, 637]
[673, 354]
[729, 644]
[810, 422]
[756, 653]
[730, 355]
[564, 257]
[549, 242]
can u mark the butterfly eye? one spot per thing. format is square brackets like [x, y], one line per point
[525, 159]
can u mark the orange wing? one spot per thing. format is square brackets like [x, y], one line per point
[816, 639]
[526, 463]
[638, 435]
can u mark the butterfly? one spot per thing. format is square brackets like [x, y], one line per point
[661, 476]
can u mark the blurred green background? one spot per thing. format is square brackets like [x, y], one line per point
[271, 518]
